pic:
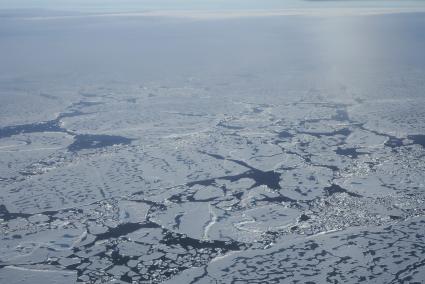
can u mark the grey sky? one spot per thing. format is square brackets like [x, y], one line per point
[132, 5]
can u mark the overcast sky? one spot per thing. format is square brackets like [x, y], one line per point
[131, 5]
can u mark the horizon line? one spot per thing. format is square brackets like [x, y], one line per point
[223, 14]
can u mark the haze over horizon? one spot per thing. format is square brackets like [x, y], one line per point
[135, 5]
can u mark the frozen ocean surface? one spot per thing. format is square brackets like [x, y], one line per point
[178, 148]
